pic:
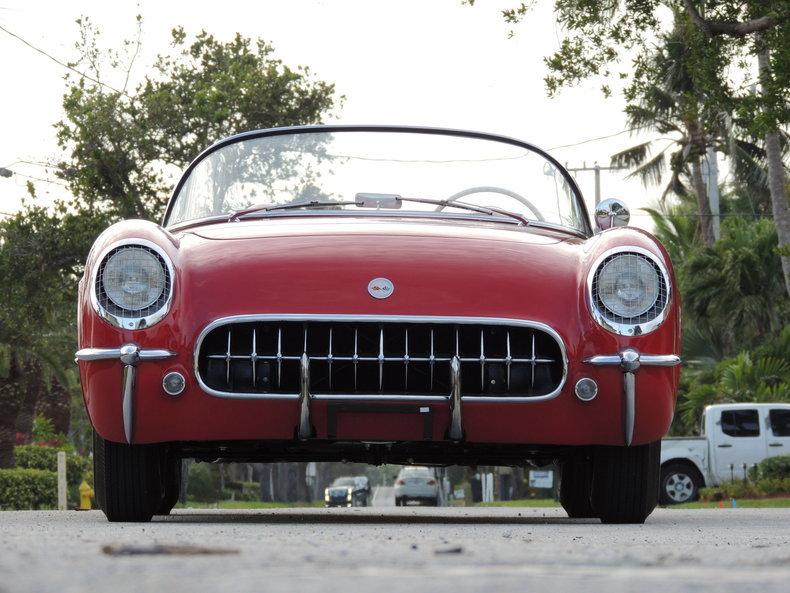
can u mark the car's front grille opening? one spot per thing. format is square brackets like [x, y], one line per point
[386, 358]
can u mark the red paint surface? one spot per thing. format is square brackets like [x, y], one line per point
[322, 265]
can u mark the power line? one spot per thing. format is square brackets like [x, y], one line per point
[59, 62]
[593, 139]
[40, 179]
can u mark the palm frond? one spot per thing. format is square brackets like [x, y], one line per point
[650, 172]
[631, 157]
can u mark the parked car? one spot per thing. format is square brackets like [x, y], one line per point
[348, 492]
[383, 295]
[734, 438]
[417, 484]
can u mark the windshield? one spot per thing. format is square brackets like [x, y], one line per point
[344, 482]
[376, 172]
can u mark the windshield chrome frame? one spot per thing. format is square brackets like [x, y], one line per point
[319, 129]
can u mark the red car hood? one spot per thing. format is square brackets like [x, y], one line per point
[325, 265]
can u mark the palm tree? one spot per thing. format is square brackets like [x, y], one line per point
[673, 104]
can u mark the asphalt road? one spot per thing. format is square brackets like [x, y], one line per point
[396, 549]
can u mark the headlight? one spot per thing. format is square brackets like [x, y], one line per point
[629, 291]
[133, 284]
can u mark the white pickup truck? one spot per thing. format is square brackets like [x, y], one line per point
[734, 438]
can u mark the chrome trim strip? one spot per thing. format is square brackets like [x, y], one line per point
[132, 322]
[456, 431]
[629, 361]
[130, 355]
[628, 329]
[382, 319]
[127, 401]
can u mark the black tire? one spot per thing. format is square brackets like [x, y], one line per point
[680, 482]
[625, 482]
[171, 478]
[575, 486]
[127, 479]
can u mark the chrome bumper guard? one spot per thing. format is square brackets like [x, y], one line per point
[629, 361]
[454, 433]
[130, 355]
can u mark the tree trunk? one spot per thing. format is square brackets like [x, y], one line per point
[705, 216]
[776, 180]
[31, 394]
[10, 402]
[55, 403]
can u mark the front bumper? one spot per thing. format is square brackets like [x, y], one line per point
[563, 420]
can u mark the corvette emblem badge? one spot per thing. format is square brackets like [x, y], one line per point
[380, 288]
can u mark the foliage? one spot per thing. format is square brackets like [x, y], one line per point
[122, 145]
[46, 458]
[733, 292]
[203, 482]
[242, 491]
[774, 468]
[760, 376]
[22, 489]
[743, 489]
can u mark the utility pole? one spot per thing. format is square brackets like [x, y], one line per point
[597, 169]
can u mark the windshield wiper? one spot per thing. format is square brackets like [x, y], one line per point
[235, 216]
[490, 210]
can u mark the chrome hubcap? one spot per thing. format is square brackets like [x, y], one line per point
[679, 487]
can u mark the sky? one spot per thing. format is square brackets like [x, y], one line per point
[412, 62]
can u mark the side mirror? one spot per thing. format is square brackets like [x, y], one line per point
[611, 213]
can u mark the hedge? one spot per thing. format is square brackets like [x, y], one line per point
[46, 458]
[774, 467]
[22, 489]
[740, 489]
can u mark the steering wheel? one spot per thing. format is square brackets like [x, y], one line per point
[494, 190]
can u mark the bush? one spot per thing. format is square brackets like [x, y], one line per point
[739, 489]
[46, 458]
[203, 482]
[22, 489]
[774, 467]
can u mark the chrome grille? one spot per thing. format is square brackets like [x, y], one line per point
[393, 357]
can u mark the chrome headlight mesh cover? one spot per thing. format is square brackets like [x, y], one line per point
[151, 310]
[654, 309]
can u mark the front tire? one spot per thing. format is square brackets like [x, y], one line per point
[171, 472]
[680, 483]
[625, 482]
[128, 479]
[575, 487]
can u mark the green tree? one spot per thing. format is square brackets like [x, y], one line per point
[666, 96]
[125, 148]
[610, 39]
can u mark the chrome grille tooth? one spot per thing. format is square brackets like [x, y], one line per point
[279, 355]
[227, 361]
[508, 360]
[356, 355]
[406, 363]
[381, 358]
[254, 356]
[482, 363]
[431, 360]
[329, 360]
[532, 365]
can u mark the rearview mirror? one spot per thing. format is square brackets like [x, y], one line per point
[611, 213]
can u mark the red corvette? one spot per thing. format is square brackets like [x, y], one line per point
[381, 295]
